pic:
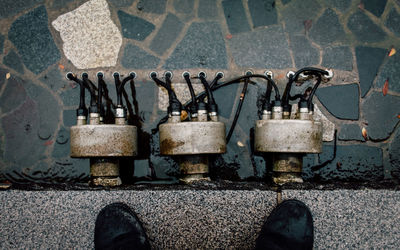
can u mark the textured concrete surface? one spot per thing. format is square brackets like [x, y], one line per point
[190, 219]
[353, 219]
[198, 219]
[76, 30]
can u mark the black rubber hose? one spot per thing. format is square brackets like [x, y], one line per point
[194, 106]
[314, 89]
[117, 82]
[174, 103]
[210, 96]
[238, 109]
[100, 92]
[90, 86]
[122, 85]
[72, 77]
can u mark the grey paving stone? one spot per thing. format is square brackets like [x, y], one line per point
[381, 114]
[62, 144]
[263, 12]
[23, 147]
[152, 6]
[327, 29]
[297, 12]
[121, 3]
[341, 100]
[202, 47]
[285, 1]
[167, 34]
[207, 9]
[394, 155]
[59, 4]
[1, 43]
[184, 6]
[390, 71]
[134, 27]
[268, 49]
[392, 22]
[352, 162]
[349, 132]
[3, 72]
[10, 8]
[376, 7]
[343, 218]
[13, 61]
[368, 62]
[304, 53]
[70, 95]
[136, 58]
[341, 5]
[235, 16]
[69, 117]
[338, 58]
[67, 219]
[364, 29]
[32, 38]
[48, 109]
[13, 96]
[55, 79]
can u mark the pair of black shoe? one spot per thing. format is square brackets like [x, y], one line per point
[289, 226]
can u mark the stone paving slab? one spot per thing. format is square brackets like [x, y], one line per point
[201, 219]
[353, 219]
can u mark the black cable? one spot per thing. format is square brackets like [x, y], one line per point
[174, 103]
[212, 106]
[322, 165]
[238, 109]
[194, 106]
[117, 82]
[122, 85]
[100, 93]
[90, 86]
[82, 110]
[314, 89]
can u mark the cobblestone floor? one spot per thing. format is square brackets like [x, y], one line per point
[40, 41]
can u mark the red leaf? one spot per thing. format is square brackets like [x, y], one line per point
[61, 66]
[307, 25]
[229, 36]
[392, 51]
[398, 116]
[361, 6]
[364, 133]
[385, 87]
[48, 143]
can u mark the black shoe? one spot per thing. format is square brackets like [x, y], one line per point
[289, 226]
[117, 227]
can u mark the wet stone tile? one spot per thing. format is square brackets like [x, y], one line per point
[304, 53]
[376, 7]
[353, 162]
[341, 5]
[263, 12]
[202, 47]
[59, 4]
[61, 144]
[338, 58]
[3, 72]
[392, 22]
[1, 43]
[364, 29]
[380, 112]
[167, 34]
[225, 98]
[70, 96]
[368, 62]
[134, 27]
[390, 71]
[297, 12]
[284, 2]
[207, 9]
[350, 132]
[23, 147]
[136, 58]
[341, 101]
[55, 79]
[394, 155]
[327, 28]
[152, 6]
[31, 36]
[184, 6]
[121, 3]
[13, 61]
[48, 108]
[68, 170]
[13, 96]
[10, 8]
[235, 16]
[69, 117]
[268, 49]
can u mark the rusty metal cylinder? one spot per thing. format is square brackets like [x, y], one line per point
[193, 167]
[104, 172]
[287, 168]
